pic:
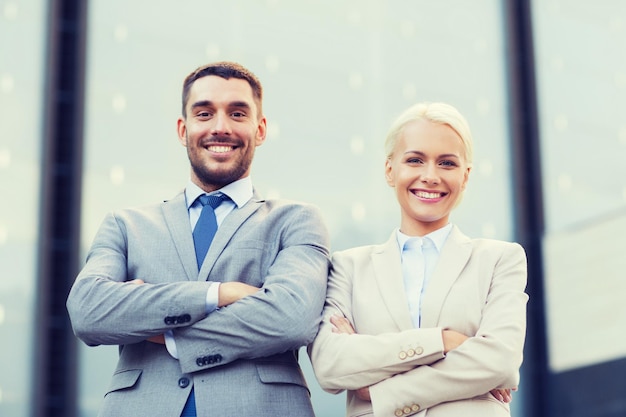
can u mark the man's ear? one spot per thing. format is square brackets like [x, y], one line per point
[261, 132]
[181, 129]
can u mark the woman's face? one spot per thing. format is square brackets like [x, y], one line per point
[429, 173]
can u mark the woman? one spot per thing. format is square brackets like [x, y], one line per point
[430, 322]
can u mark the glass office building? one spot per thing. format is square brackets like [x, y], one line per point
[335, 73]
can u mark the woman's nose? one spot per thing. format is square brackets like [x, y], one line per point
[429, 175]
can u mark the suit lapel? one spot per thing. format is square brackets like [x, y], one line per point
[387, 265]
[453, 258]
[225, 233]
[177, 219]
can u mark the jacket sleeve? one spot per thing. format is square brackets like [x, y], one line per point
[489, 359]
[106, 309]
[284, 315]
[342, 361]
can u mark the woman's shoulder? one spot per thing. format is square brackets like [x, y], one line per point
[498, 247]
[365, 250]
[482, 244]
[357, 251]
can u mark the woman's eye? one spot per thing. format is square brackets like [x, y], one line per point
[448, 163]
[414, 160]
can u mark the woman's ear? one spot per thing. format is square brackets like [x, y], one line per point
[466, 177]
[389, 173]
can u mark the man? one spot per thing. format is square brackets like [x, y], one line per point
[214, 334]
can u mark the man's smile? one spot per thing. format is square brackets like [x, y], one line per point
[220, 148]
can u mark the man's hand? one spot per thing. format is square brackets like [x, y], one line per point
[230, 292]
[342, 325]
[160, 339]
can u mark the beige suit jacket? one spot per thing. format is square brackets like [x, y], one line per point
[477, 288]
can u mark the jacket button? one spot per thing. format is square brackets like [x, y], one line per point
[183, 382]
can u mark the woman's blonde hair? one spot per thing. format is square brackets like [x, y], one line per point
[437, 113]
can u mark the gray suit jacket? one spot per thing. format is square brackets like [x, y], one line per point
[477, 288]
[241, 359]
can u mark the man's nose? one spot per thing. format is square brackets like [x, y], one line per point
[221, 124]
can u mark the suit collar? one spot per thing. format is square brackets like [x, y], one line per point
[226, 232]
[438, 237]
[239, 191]
[177, 220]
[388, 272]
[454, 256]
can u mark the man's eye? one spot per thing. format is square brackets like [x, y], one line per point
[204, 114]
[238, 114]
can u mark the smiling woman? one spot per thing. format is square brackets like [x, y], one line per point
[451, 310]
[429, 170]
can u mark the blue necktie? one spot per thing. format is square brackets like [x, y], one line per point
[206, 226]
[203, 234]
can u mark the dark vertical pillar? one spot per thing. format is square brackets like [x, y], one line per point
[55, 361]
[529, 219]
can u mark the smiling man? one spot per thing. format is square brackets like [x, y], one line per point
[210, 294]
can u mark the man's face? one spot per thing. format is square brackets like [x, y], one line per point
[221, 131]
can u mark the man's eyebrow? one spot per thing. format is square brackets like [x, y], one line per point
[201, 103]
[240, 104]
[233, 104]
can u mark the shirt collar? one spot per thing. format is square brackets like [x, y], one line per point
[240, 191]
[438, 237]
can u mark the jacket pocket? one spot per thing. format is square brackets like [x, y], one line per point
[124, 380]
[280, 373]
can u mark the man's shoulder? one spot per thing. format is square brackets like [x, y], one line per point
[283, 206]
[150, 209]
[296, 215]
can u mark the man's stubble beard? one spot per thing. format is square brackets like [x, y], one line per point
[221, 177]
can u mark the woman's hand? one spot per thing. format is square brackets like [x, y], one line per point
[341, 325]
[452, 340]
[363, 394]
[503, 395]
